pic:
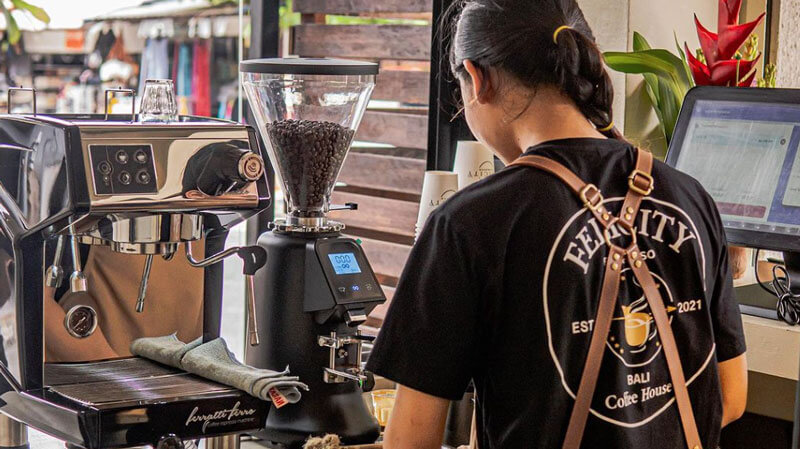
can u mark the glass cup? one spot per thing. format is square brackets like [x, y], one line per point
[158, 102]
[382, 404]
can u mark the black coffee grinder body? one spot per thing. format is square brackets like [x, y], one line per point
[317, 286]
[312, 294]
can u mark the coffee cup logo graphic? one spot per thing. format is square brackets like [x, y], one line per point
[637, 327]
[634, 336]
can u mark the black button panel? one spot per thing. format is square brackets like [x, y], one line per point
[354, 283]
[123, 169]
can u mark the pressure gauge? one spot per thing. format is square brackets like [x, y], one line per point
[81, 321]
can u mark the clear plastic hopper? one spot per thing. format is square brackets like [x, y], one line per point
[307, 111]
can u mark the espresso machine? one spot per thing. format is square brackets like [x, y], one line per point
[317, 286]
[133, 188]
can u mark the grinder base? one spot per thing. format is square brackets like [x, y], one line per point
[293, 295]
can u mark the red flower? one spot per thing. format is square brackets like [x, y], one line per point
[722, 68]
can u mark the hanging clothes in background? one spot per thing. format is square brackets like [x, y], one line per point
[201, 78]
[105, 42]
[224, 78]
[155, 61]
[184, 76]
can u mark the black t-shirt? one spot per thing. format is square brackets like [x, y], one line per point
[502, 288]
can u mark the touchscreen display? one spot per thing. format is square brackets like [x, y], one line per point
[344, 263]
[745, 155]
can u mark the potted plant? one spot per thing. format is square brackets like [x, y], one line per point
[728, 57]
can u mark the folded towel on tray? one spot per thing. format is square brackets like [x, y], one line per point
[214, 361]
[167, 349]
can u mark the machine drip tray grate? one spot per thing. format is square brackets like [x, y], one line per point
[126, 381]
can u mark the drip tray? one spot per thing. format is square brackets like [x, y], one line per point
[132, 381]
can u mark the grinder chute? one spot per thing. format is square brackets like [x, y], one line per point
[308, 111]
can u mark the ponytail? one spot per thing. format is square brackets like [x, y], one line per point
[545, 42]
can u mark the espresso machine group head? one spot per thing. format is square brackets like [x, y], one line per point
[317, 286]
[139, 188]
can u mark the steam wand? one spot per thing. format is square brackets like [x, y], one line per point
[148, 264]
[254, 257]
[55, 273]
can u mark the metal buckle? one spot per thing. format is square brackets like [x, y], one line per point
[641, 191]
[631, 231]
[595, 201]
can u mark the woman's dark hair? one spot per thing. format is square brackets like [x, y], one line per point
[518, 38]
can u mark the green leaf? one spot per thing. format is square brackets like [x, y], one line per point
[659, 62]
[670, 107]
[12, 30]
[639, 42]
[35, 11]
[685, 61]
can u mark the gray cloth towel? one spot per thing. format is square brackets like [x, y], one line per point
[214, 361]
[167, 350]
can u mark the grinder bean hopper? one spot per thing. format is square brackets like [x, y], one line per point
[317, 286]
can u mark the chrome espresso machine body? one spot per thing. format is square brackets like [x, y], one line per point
[138, 188]
[317, 286]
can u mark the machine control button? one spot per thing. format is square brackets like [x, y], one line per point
[122, 156]
[141, 157]
[104, 168]
[356, 288]
[342, 290]
[125, 178]
[143, 177]
[107, 180]
[368, 287]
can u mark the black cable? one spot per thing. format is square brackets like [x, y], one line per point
[760, 283]
[788, 307]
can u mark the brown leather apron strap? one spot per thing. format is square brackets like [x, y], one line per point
[640, 184]
[660, 316]
[594, 358]
[588, 193]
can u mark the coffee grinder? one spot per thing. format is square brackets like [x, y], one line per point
[317, 286]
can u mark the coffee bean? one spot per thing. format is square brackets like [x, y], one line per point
[310, 154]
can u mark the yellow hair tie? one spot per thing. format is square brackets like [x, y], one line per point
[559, 30]
[607, 128]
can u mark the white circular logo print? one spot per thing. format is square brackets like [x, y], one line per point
[634, 384]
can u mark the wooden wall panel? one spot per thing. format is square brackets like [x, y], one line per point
[405, 86]
[388, 173]
[379, 313]
[398, 129]
[363, 41]
[387, 259]
[384, 215]
[361, 6]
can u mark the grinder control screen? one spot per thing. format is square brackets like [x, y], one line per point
[344, 263]
[746, 156]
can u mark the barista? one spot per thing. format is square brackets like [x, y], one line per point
[503, 283]
[174, 304]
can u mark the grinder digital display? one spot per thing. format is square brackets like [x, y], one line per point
[344, 263]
